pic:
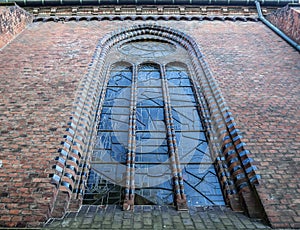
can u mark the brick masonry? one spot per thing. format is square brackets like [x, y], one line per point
[287, 19]
[13, 20]
[256, 71]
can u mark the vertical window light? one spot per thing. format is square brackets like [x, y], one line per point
[151, 116]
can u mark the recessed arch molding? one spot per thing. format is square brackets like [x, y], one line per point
[235, 169]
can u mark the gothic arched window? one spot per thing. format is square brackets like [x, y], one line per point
[149, 125]
[151, 145]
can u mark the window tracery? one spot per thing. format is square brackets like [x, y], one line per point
[151, 138]
[234, 169]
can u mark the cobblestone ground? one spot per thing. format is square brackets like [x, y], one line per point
[154, 217]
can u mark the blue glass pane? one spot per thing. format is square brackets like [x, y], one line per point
[151, 158]
[111, 95]
[115, 141]
[198, 153]
[177, 77]
[148, 68]
[202, 186]
[118, 152]
[186, 138]
[149, 76]
[177, 67]
[150, 97]
[98, 155]
[122, 77]
[150, 119]
[182, 96]
[186, 118]
[105, 122]
[114, 118]
[151, 142]
[153, 178]
[109, 156]
[103, 140]
[162, 195]
[153, 145]
[156, 181]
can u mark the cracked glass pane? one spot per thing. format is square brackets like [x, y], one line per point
[99, 191]
[192, 151]
[114, 141]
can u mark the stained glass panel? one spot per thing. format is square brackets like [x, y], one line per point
[148, 116]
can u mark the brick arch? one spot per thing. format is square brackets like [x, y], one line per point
[235, 170]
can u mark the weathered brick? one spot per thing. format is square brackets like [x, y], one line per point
[42, 68]
[13, 20]
[287, 19]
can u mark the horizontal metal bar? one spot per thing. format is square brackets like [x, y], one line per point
[177, 131]
[173, 106]
[150, 163]
[151, 131]
[112, 131]
[151, 106]
[118, 86]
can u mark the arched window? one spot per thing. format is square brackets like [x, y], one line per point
[151, 145]
[150, 126]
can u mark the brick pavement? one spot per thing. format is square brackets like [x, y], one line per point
[154, 217]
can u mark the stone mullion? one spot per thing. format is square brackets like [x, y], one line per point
[180, 199]
[130, 162]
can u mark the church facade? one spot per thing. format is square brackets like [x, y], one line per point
[149, 103]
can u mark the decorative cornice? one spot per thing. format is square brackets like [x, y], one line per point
[146, 18]
[146, 11]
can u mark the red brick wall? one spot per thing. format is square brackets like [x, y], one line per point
[256, 71]
[13, 20]
[287, 19]
[40, 71]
